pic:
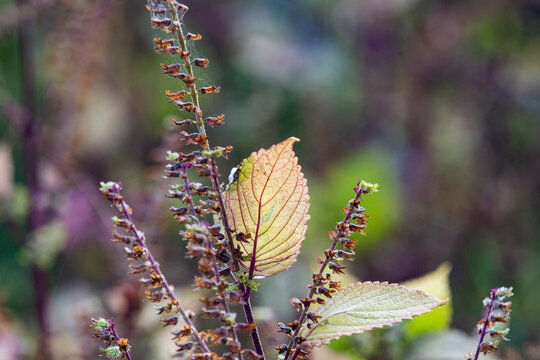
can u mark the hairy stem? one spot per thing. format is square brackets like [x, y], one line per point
[316, 281]
[156, 267]
[486, 323]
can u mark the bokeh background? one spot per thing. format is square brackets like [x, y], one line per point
[437, 101]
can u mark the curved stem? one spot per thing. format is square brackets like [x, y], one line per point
[486, 323]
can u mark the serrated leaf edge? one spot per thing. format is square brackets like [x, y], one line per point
[313, 343]
[287, 261]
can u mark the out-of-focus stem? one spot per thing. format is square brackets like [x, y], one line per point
[30, 156]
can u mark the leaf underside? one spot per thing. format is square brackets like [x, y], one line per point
[268, 200]
[364, 306]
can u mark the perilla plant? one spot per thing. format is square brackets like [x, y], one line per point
[260, 221]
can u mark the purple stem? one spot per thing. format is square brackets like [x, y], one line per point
[316, 281]
[248, 311]
[255, 333]
[486, 323]
[30, 156]
[155, 266]
[112, 327]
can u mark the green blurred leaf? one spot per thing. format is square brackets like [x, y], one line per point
[437, 284]
[330, 193]
[44, 245]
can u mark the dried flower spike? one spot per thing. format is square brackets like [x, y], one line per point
[498, 313]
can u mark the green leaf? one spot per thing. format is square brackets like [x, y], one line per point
[364, 306]
[253, 285]
[267, 199]
[437, 284]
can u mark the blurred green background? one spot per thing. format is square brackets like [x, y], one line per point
[437, 101]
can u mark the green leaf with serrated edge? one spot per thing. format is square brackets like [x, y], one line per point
[268, 200]
[364, 306]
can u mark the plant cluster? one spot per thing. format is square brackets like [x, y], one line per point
[259, 223]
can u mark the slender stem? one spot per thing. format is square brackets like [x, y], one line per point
[316, 280]
[223, 213]
[155, 266]
[255, 333]
[486, 323]
[31, 164]
[296, 353]
[115, 334]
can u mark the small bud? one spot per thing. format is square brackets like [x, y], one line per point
[113, 352]
[100, 324]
